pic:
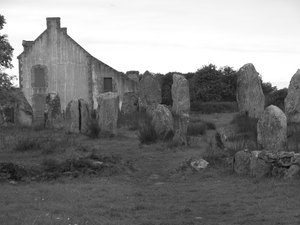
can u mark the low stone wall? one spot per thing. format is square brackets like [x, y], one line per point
[266, 163]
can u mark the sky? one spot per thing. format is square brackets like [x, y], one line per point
[170, 35]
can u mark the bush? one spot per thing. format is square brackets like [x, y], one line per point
[277, 98]
[27, 144]
[195, 129]
[147, 133]
[214, 107]
[93, 128]
[245, 124]
[210, 125]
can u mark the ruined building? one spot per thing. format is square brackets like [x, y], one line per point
[55, 63]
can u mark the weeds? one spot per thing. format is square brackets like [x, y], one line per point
[27, 144]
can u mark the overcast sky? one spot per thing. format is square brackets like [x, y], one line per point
[170, 35]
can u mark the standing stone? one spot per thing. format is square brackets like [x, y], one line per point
[24, 112]
[53, 111]
[107, 112]
[292, 100]
[72, 117]
[180, 108]
[272, 129]
[250, 97]
[77, 117]
[180, 95]
[149, 92]
[84, 113]
[162, 121]
[130, 103]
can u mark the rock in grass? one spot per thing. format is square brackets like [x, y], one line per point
[241, 163]
[250, 97]
[272, 129]
[162, 121]
[107, 112]
[292, 172]
[292, 100]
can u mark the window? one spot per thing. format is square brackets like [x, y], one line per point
[39, 77]
[107, 84]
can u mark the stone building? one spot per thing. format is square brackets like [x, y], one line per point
[55, 63]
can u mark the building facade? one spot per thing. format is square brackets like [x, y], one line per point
[55, 63]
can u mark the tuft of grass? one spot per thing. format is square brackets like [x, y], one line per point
[147, 133]
[27, 144]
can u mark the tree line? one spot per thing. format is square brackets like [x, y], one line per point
[212, 84]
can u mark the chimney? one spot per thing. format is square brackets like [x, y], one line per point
[53, 22]
[26, 44]
[64, 30]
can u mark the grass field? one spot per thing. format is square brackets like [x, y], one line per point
[155, 191]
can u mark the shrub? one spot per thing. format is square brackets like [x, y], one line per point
[214, 107]
[245, 124]
[210, 125]
[27, 144]
[195, 129]
[147, 133]
[93, 128]
[276, 98]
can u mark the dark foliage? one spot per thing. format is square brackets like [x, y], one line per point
[277, 98]
[166, 89]
[214, 107]
[195, 129]
[212, 84]
[245, 124]
[5, 48]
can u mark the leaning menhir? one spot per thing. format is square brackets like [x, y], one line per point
[250, 97]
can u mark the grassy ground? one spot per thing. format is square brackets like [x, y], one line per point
[157, 191]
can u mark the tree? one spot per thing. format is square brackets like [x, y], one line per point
[5, 48]
[5, 63]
